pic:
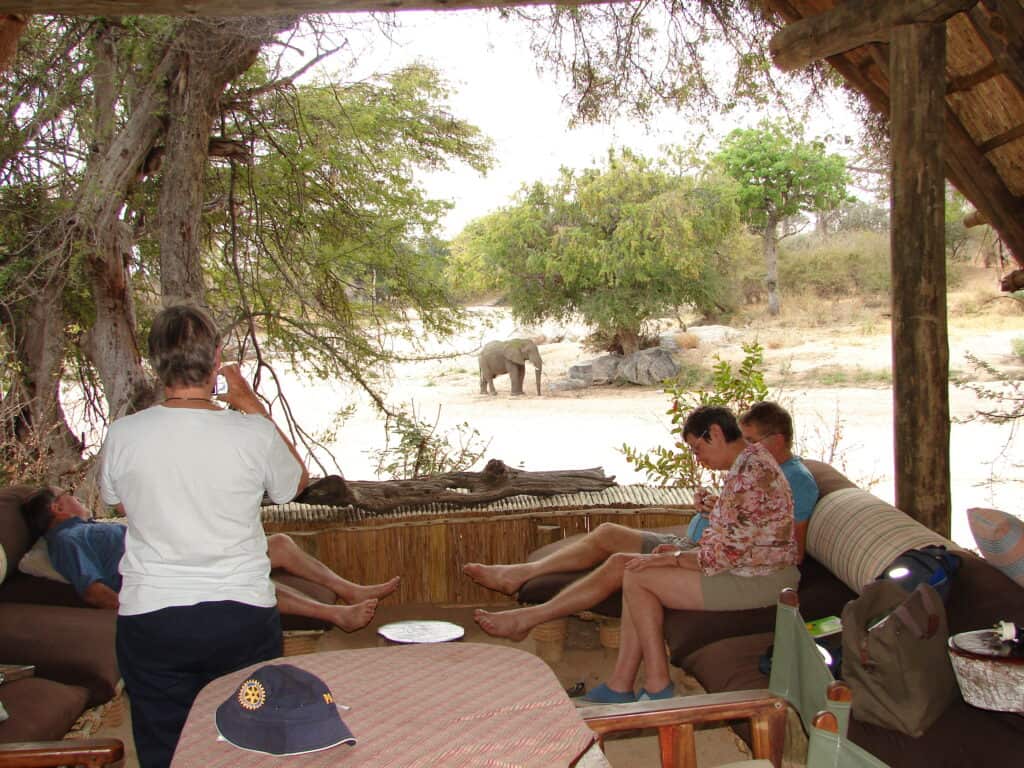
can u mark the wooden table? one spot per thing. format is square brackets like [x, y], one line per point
[417, 706]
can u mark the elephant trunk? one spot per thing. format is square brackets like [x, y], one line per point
[537, 371]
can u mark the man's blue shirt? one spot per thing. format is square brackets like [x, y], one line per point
[83, 552]
[805, 489]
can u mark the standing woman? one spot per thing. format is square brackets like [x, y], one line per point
[196, 600]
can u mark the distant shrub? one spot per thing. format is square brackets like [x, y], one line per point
[1018, 347]
[847, 264]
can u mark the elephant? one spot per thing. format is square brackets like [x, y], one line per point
[509, 357]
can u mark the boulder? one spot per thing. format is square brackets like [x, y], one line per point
[605, 369]
[647, 367]
[582, 372]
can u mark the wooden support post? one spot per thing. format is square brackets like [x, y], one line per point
[920, 345]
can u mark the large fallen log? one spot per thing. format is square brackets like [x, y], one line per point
[496, 481]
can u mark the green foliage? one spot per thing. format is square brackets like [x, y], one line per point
[1017, 345]
[779, 174]
[415, 448]
[617, 245]
[957, 235]
[735, 389]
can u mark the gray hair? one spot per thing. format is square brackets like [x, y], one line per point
[183, 345]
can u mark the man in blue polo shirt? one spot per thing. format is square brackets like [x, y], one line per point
[87, 553]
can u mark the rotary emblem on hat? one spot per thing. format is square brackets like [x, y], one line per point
[252, 694]
[280, 709]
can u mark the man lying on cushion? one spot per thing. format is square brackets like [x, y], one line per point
[87, 554]
[766, 423]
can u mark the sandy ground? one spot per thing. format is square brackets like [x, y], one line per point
[586, 428]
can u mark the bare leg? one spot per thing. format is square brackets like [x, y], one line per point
[348, 617]
[581, 594]
[623, 677]
[605, 540]
[648, 593]
[286, 554]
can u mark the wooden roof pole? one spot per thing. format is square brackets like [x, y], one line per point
[250, 7]
[920, 345]
[851, 25]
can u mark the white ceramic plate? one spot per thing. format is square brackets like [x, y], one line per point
[421, 631]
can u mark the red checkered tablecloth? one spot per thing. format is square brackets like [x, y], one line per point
[417, 706]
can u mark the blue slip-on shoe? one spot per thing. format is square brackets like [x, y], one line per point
[605, 695]
[667, 692]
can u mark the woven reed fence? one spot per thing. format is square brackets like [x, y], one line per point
[428, 548]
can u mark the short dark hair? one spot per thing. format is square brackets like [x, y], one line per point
[37, 510]
[701, 419]
[772, 418]
[183, 345]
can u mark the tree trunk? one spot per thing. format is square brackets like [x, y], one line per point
[497, 481]
[214, 52]
[771, 263]
[629, 340]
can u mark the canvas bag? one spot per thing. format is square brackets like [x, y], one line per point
[895, 659]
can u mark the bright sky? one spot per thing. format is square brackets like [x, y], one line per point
[495, 85]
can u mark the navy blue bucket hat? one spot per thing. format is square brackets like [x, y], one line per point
[282, 710]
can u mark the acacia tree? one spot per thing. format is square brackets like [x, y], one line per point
[779, 176]
[618, 245]
[109, 143]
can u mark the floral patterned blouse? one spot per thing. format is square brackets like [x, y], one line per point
[751, 529]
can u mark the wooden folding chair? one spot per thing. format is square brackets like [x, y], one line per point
[91, 753]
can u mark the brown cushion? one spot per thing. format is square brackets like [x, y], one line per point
[827, 477]
[14, 536]
[962, 736]
[22, 588]
[315, 591]
[821, 594]
[730, 664]
[70, 645]
[40, 709]
[981, 595]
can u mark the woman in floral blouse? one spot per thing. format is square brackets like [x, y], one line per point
[747, 555]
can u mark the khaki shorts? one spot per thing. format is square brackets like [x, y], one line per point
[729, 592]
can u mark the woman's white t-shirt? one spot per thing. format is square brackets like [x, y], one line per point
[191, 482]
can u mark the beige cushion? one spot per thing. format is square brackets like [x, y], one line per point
[36, 562]
[1000, 537]
[857, 535]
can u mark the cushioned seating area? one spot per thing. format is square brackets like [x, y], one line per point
[72, 645]
[40, 709]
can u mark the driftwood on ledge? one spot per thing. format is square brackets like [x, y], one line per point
[496, 481]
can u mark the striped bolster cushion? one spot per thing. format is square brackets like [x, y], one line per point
[857, 535]
[1000, 537]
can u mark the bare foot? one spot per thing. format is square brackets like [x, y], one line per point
[504, 624]
[378, 591]
[506, 579]
[353, 617]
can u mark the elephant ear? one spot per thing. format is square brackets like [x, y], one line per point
[516, 351]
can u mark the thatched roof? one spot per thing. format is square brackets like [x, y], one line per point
[984, 131]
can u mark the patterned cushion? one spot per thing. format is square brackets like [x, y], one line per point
[1000, 537]
[857, 535]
